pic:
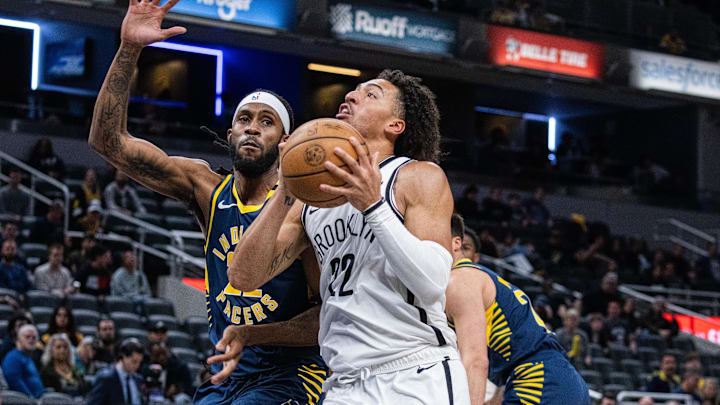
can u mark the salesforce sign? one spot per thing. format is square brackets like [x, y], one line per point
[266, 13]
[398, 28]
[674, 74]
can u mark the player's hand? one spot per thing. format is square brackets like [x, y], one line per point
[362, 188]
[232, 343]
[143, 23]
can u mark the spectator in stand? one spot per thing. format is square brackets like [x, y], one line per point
[537, 212]
[637, 255]
[518, 215]
[14, 201]
[470, 245]
[708, 267]
[693, 362]
[14, 324]
[494, 208]
[177, 381]
[86, 356]
[630, 316]
[595, 256]
[690, 385]
[50, 229]
[92, 221]
[129, 282]
[617, 327]
[487, 244]
[44, 159]
[94, 278]
[672, 42]
[656, 323]
[503, 14]
[13, 275]
[677, 255]
[664, 380]
[18, 366]
[709, 392]
[608, 398]
[63, 321]
[646, 401]
[120, 195]
[467, 205]
[105, 340]
[597, 301]
[59, 371]
[157, 333]
[597, 332]
[574, 339]
[78, 259]
[10, 231]
[120, 383]
[52, 276]
[88, 191]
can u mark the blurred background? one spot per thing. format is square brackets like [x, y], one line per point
[581, 142]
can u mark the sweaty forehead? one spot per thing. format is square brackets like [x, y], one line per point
[258, 108]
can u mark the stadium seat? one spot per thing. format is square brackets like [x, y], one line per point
[196, 325]
[592, 378]
[3, 327]
[622, 378]
[715, 370]
[653, 366]
[204, 344]
[174, 208]
[632, 366]
[186, 355]
[82, 301]
[602, 365]
[42, 328]
[144, 192]
[86, 317]
[158, 306]
[58, 398]
[6, 312]
[595, 350]
[89, 379]
[655, 341]
[138, 334]
[169, 321]
[181, 223]
[709, 360]
[119, 304]
[41, 314]
[195, 370]
[619, 353]
[684, 343]
[39, 298]
[154, 219]
[648, 354]
[7, 291]
[16, 398]
[679, 354]
[34, 250]
[124, 320]
[615, 388]
[179, 340]
[87, 330]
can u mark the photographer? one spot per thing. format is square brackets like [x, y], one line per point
[166, 376]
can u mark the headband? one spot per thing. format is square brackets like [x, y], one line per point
[270, 101]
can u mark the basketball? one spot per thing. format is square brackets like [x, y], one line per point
[305, 153]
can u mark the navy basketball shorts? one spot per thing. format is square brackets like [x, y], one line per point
[292, 385]
[546, 378]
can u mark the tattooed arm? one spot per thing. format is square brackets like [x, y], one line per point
[175, 177]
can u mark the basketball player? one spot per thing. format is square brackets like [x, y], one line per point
[523, 355]
[276, 315]
[385, 255]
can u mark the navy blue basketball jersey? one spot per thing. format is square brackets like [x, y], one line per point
[514, 329]
[279, 299]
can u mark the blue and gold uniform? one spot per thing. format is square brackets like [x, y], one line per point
[265, 374]
[524, 355]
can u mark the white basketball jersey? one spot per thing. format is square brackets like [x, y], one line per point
[368, 316]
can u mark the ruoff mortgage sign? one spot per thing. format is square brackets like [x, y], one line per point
[391, 27]
[266, 13]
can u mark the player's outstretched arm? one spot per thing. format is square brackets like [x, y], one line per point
[141, 160]
[466, 308]
[302, 330]
[419, 248]
[271, 244]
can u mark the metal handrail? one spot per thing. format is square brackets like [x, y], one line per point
[673, 291]
[121, 238]
[672, 307]
[494, 261]
[688, 246]
[623, 395]
[44, 177]
[689, 229]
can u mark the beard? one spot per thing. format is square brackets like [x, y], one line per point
[256, 167]
[8, 258]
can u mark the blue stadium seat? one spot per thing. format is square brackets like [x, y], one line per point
[125, 320]
[115, 303]
[41, 314]
[39, 298]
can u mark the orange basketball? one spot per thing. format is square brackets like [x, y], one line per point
[305, 153]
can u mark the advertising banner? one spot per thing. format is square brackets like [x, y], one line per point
[550, 53]
[708, 329]
[409, 30]
[266, 13]
[675, 74]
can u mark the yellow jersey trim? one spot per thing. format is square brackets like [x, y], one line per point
[212, 209]
[244, 209]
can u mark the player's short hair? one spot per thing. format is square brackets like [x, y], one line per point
[417, 107]
[457, 226]
[96, 251]
[130, 346]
